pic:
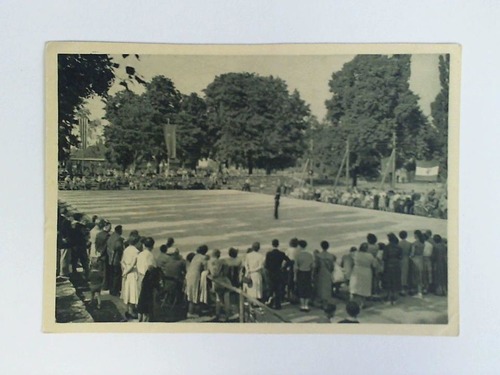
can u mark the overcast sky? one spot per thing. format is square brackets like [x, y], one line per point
[309, 74]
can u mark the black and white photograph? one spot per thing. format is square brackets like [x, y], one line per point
[208, 188]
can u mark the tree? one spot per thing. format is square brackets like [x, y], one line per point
[192, 140]
[129, 137]
[254, 121]
[164, 100]
[439, 112]
[135, 132]
[79, 78]
[371, 101]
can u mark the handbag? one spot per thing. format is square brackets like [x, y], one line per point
[247, 280]
[338, 274]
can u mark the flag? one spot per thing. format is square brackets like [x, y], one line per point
[170, 141]
[83, 123]
[387, 164]
[427, 170]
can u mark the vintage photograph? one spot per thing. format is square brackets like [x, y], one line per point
[311, 188]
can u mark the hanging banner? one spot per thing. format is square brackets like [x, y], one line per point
[427, 170]
[386, 164]
[170, 141]
[83, 123]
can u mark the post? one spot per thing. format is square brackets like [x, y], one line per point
[393, 161]
[340, 170]
[312, 165]
[347, 164]
[242, 308]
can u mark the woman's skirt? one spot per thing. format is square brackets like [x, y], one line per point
[304, 285]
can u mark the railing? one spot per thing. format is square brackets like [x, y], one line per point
[250, 309]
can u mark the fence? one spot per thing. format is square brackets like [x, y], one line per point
[250, 309]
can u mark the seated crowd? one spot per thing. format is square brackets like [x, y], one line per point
[148, 277]
[430, 204]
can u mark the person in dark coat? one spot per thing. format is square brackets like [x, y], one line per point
[78, 239]
[151, 284]
[277, 201]
[276, 260]
[392, 267]
[440, 262]
[114, 250]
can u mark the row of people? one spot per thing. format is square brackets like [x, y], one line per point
[431, 204]
[295, 274]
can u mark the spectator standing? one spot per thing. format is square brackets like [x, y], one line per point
[325, 263]
[114, 249]
[427, 263]
[360, 285]
[174, 272]
[291, 253]
[151, 285]
[217, 269]
[405, 260]
[78, 239]
[101, 242]
[417, 261]
[304, 275]
[392, 267]
[234, 265]
[193, 276]
[440, 261]
[275, 264]
[254, 267]
[145, 261]
[96, 228]
[130, 292]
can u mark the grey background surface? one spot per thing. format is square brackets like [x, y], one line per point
[25, 26]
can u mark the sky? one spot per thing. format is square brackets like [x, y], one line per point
[309, 74]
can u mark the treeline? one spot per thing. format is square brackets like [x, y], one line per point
[251, 121]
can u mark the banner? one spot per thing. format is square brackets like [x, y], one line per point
[386, 165]
[170, 142]
[83, 123]
[427, 170]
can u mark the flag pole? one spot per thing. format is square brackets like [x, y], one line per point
[393, 165]
[347, 163]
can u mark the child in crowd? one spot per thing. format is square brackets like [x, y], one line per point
[96, 279]
[352, 309]
[330, 309]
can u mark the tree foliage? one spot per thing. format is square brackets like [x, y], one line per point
[79, 77]
[128, 137]
[439, 112]
[82, 76]
[135, 130]
[192, 141]
[254, 121]
[371, 100]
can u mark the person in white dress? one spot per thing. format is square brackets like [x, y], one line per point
[254, 265]
[130, 290]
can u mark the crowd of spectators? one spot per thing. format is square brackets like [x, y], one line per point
[149, 277]
[429, 204]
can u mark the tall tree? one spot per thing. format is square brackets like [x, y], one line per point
[165, 100]
[192, 140]
[79, 78]
[255, 121]
[129, 137]
[439, 112]
[371, 101]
